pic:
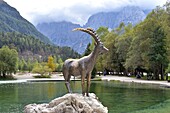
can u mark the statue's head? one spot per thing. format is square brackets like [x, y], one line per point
[102, 48]
[99, 45]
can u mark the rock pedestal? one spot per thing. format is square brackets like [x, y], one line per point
[69, 103]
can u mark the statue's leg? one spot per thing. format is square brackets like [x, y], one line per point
[88, 83]
[67, 81]
[83, 83]
[68, 86]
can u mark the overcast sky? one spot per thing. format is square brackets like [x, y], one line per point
[76, 11]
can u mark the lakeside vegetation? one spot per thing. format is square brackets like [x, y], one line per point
[20, 52]
[10, 63]
[137, 49]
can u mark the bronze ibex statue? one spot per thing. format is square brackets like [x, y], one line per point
[84, 65]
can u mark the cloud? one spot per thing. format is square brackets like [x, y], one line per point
[76, 11]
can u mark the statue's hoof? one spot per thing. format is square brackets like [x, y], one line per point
[83, 94]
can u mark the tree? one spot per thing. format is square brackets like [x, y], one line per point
[50, 63]
[29, 65]
[8, 61]
[136, 55]
[59, 65]
[166, 26]
[148, 48]
[157, 53]
[102, 32]
[122, 45]
[41, 68]
[168, 69]
[110, 60]
[87, 52]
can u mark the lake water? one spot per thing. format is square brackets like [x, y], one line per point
[119, 97]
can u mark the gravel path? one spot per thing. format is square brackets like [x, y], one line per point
[57, 76]
[130, 79]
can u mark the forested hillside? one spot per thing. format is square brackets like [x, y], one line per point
[29, 47]
[11, 20]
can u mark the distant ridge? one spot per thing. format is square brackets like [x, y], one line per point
[61, 34]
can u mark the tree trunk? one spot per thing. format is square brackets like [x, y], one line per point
[156, 73]
[162, 72]
[167, 76]
[125, 72]
[4, 74]
[142, 73]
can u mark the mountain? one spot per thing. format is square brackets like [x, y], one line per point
[61, 33]
[11, 20]
[16, 32]
[129, 14]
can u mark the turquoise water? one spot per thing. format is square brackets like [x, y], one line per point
[119, 97]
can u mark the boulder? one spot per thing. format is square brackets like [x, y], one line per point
[69, 103]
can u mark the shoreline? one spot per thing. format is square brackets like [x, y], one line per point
[57, 77]
[135, 80]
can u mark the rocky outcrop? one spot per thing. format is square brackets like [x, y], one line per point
[69, 103]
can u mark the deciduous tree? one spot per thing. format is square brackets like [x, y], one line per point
[8, 61]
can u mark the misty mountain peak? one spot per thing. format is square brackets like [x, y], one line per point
[129, 14]
[61, 33]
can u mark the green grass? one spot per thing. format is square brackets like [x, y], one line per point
[96, 79]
